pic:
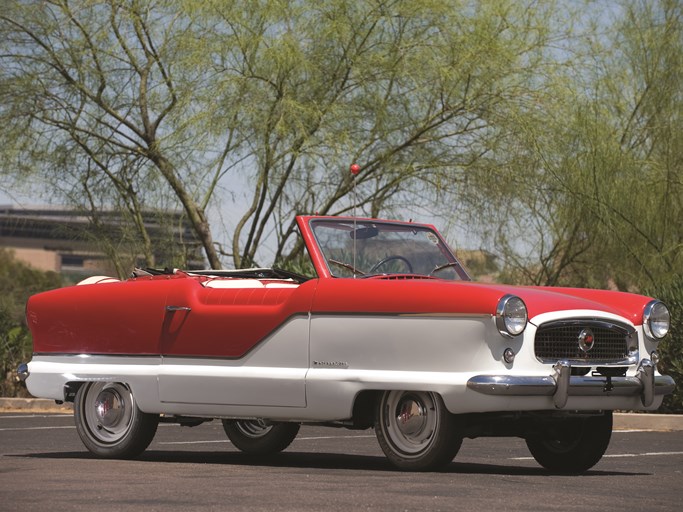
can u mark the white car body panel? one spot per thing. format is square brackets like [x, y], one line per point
[289, 377]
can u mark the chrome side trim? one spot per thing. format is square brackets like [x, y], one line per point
[562, 385]
[178, 308]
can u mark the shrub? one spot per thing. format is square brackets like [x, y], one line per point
[18, 282]
[671, 348]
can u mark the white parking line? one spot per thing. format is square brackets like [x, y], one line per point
[297, 439]
[34, 428]
[619, 455]
[331, 437]
[37, 416]
[650, 454]
[7, 429]
[196, 442]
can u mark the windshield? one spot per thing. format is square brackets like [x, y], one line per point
[367, 248]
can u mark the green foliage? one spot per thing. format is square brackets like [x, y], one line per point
[302, 265]
[594, 197]
[171, 103]
[549, 129]
[480, 265]
[17, 282]
[671, 348]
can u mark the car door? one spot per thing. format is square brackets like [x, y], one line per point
[236, 342]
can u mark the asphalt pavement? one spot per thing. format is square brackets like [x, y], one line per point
[44, 466]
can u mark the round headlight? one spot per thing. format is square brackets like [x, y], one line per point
[511, 316]
[656, 320]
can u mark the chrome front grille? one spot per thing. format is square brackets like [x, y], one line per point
[611, 343]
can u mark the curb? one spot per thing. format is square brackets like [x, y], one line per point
[658, 422]
[40, 405]
[622, 421]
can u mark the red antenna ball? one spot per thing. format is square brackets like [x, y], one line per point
[355, 169]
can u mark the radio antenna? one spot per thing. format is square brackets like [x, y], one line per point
[355, 169]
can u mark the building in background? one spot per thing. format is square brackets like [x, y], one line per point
[65, 240]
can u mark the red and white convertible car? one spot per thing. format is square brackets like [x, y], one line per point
[391, 333]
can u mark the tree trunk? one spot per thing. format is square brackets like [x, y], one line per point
[195, 214]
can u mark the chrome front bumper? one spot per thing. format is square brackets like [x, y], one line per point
[561, 385]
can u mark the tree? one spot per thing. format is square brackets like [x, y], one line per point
[603, 200]
[188, 97]
[643, 89]
[92, 99]
[400, 88]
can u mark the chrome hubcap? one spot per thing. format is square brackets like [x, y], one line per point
[108, 411]
[409, 421]
[412, 417]
[109, 408]
[253, 428]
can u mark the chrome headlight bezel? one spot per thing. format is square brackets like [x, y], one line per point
[656, 320]
[511, 316]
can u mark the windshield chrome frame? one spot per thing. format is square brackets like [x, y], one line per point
[350, 222]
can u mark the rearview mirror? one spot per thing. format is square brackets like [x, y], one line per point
[364, 233]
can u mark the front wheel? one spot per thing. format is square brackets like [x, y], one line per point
[109, 422]
[260, 437]
[415, 430]
[574, 446]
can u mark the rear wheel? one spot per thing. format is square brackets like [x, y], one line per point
[109, 422]
[575, 446]
[260, 437]
[415, 430]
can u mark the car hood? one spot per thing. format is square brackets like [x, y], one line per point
[434, 296]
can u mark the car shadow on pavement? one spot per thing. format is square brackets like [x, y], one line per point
[331, 461]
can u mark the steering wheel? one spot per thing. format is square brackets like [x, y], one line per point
[392, 258]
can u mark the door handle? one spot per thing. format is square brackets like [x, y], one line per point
[178, 308]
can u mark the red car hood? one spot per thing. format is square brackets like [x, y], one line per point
[425, 296]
